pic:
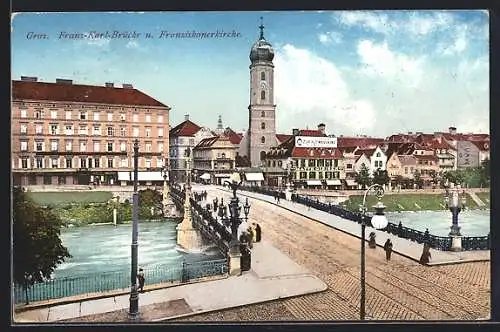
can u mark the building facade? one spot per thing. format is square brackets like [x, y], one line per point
[65, 133]
[214, 159]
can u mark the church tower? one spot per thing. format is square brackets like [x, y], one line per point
[262, 110]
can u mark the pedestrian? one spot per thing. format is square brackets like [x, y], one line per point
[426, 255]
[258, 233]
[371, 241]
[388, 249]
[140, 277]
[278, 195]
[250, 235]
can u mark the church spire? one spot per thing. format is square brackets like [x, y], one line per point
[219, 123]
[261, 27]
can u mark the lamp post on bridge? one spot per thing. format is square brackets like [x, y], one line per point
[452, 195]
[133, 313]
[378, 221]
[288, 189]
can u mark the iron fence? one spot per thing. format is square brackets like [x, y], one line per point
[110, 281]
[437, 242]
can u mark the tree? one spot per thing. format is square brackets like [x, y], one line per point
[363, 177]
[148, 199]
[435, 177]
[381, 177]
[484, 170]
[37, 248]
[417, 178]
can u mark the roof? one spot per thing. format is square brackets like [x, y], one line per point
[282, 137]
[482, 145]
[407, 159]
[350, 149]
[185, 128]
[367, 152]
[319, 153]
[435, 144]
[426, 156]
[26, 90]
[234, 137]
[362, 142]
[308, 132]
[208, 142]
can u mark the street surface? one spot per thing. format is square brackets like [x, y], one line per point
[397, 290]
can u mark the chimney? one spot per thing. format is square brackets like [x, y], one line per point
[410, 133]
[63, 81]
[452, 130]
[29, 78]
[186, 117]
[127, 86]
[321, 128]
[295, 131]
[110, 85]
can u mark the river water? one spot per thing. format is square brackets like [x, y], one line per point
[472, 222]
[106, 248]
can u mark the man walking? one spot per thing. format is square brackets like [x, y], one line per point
[388, 249]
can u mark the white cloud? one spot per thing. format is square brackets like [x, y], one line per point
[310, 90]
[132, 44]
[379, 61]
[330, 37]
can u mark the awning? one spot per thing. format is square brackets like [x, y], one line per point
[313, 183]
[141, 176]
[254, 176]
[222, 175]
[351, 183]
[205, 176]
[333, 183]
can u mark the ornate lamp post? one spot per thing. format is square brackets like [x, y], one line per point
[234, 210]
[451, 199]
[288, 190]
[378, 221]
[133, 313]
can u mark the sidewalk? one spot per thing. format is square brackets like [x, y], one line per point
[404, 247]
[273, 276]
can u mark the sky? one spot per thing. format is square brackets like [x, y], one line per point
[373, 73]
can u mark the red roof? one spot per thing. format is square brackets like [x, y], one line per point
[344, 142]
[282, 137]
[321, 153]
[81, 93]
[234, 137]
[482, 145]
[435, 144]
[367, 152]
[308, 132]
[186, 128]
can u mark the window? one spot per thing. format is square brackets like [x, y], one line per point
[336, 163]
[55, 162]
[321, 162]
[39, 114]
[69, 145]
[83, 163]
[90, 162]
[148, 117]
[148, 162]
[83, 115]
[148, 132]
[378, 154]
[39, 162]
[148, 146]
[110, 116]
[97, 146]
[68, 115]
[123, 146]
[97, 116]
[263, 76]
[263, 140]
[263, 125]
[24, 146]
[61, 179]
[24, 128]
[69, 130]
[83, 146]
[349, 166]
[53, 114]
[262, 155]
[82, 130]
[328, 163]
[69, 163]
[110, 147]
[53, 145]
[110, 163]
[96, 163]
[159, 162]
[53, 129]
[24, 113]
[123, 131]
[160, 146]
[303, 175]
[124, 162]
[191, 141]
[38, 128]
[135, 132]
[136, 117]
[96, 130]
[39, 146]
[160, 118]
[312, 175]
[24, 163]
[47, 179]
[263, 94]
[123, 117]
[111, 131]
[160, 132]
[263, 114]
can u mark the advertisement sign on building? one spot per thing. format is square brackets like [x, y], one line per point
[315, 142]
[467, 154]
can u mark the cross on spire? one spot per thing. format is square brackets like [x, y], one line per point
[261, 27]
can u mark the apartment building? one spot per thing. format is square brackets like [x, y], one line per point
[214, 159]
[66, 133]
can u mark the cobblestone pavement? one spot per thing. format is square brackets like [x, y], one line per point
[397, 290]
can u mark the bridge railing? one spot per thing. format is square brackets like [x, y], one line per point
[437, 242]
[98, 283]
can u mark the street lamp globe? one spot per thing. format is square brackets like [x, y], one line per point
[379, 221]
[235, 177]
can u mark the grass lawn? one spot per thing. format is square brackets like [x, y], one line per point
[404, 202]
[485, 197]
[61, 198]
